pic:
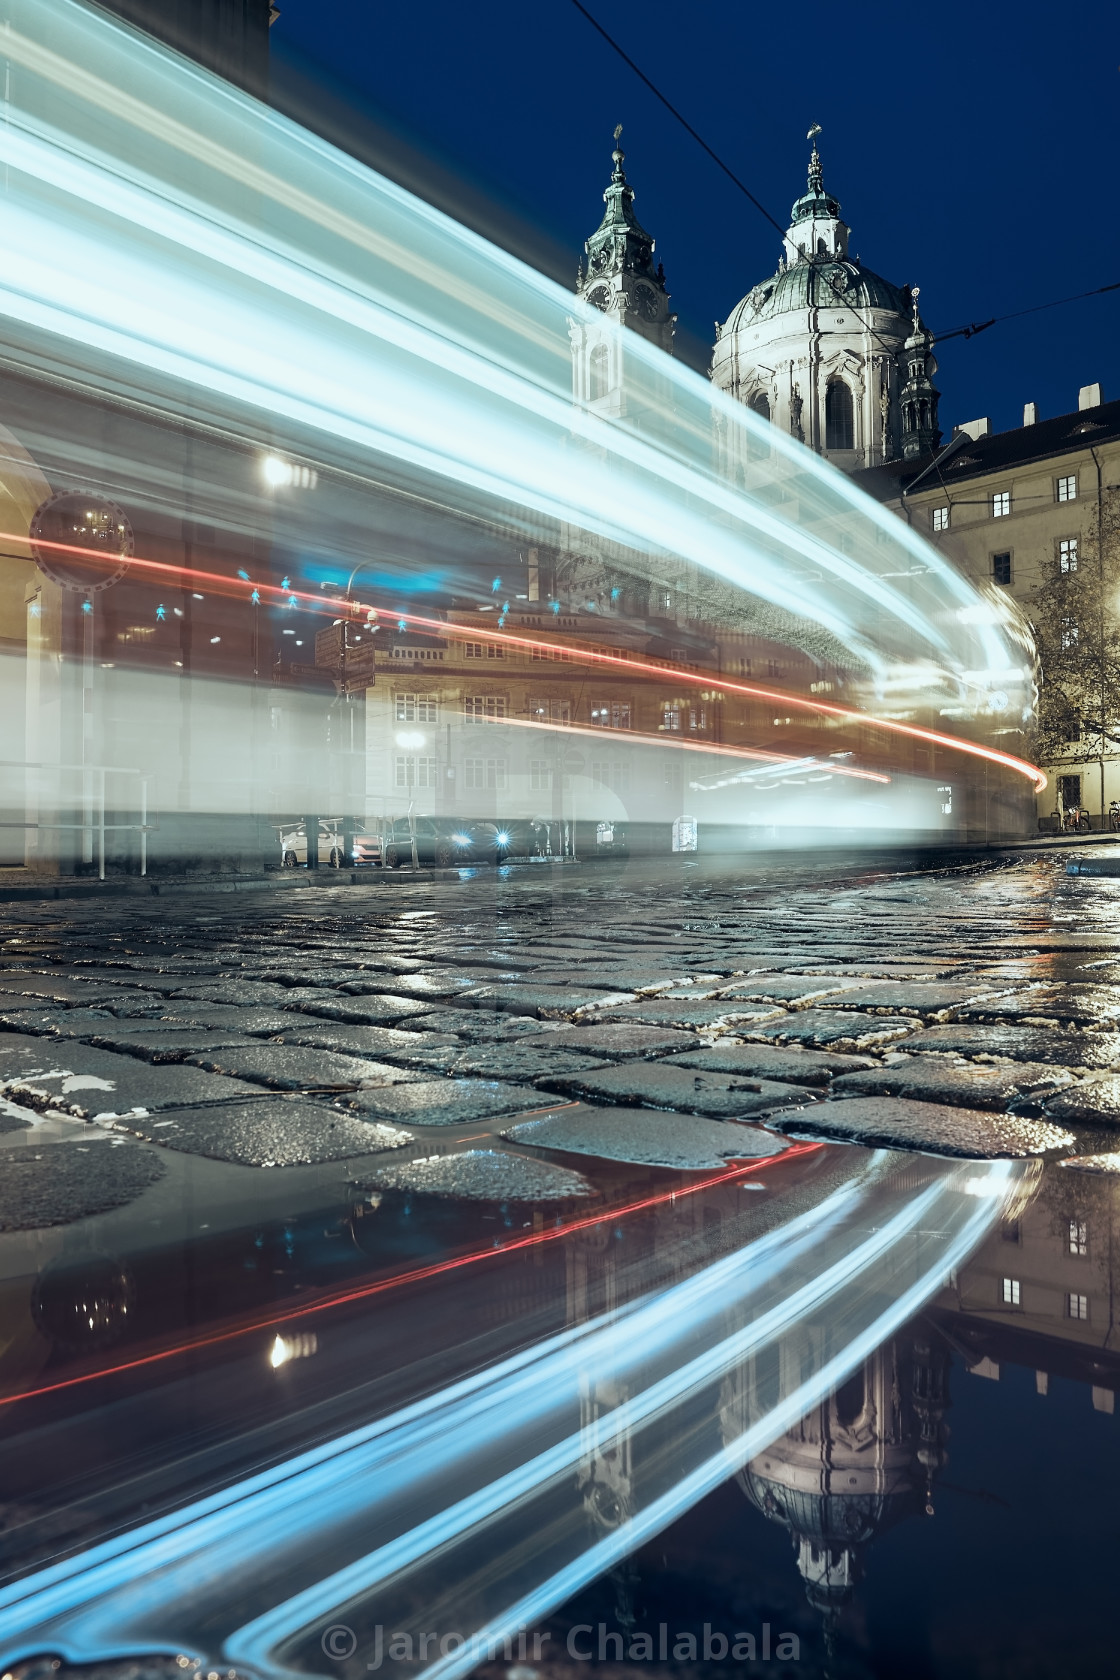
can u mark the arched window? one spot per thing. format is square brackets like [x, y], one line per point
[760, 404]
[838, 416]
[600, 372]
[909, 417]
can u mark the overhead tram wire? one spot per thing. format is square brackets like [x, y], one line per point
[718, 161]
[975, 327]
[969, 331]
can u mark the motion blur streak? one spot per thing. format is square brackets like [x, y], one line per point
[358, 608]
[152, 230]
[496, 1456]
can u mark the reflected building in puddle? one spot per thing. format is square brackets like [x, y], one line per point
[1040, 1293]
[853, 1467]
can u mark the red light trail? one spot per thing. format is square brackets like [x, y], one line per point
[237, 588]
[420, 1274]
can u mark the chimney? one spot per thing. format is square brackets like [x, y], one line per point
[975, 428]
[1090, 396]
[1030, 414]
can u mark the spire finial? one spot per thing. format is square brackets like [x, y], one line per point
[618, 154]
[816, 174]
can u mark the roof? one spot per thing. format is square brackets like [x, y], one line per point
[1066, 434]
[812, 283]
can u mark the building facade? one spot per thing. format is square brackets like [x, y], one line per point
[1032, 516]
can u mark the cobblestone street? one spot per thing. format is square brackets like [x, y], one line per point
[520, 1027]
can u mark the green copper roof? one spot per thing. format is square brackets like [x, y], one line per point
[620, 244]
[814, 201]
[818, 282]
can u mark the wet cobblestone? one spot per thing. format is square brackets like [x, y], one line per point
[970, 1010]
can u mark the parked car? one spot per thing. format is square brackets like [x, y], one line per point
[368, 849]
[441, 842]
[365, 848]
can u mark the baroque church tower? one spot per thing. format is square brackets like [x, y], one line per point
[829, 350]
[617, 277]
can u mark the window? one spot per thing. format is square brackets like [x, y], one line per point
[550, 653]
[1070, 632]
[1001, 568]
[540, 775]
[1077, 1306]
[671, 718]
[484, 650]
[413, 772]
[760, 404]
[1078, 1237]
[1001, 504]
[416, 708]
[600, 372]
[1011, 1292]
[940, 519]
[485, 773]
[1067, 554]
[1065, 490]
[665, 600]
[615, 715]
[1069, 791]
[551, 711]
[838, 416]
[698, 717]
[613, 776]
[485, 706]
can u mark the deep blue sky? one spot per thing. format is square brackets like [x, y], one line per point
[973, 149]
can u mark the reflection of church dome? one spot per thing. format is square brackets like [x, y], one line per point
[854, 1466]
[827, 1528]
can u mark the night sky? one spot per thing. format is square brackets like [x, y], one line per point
[972, 150]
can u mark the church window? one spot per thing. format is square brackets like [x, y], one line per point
[1011, 1292]
[1067, 554]
[1001, 568]
[1078, 1306]
[908, 417]
[1001, 504]
[940, 520]
[600, 372]
[760, 404]
[1066, 489]
[838, 416]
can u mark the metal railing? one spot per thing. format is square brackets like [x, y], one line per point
[92, 826]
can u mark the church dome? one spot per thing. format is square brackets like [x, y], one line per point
[815, 283]
[821, 348]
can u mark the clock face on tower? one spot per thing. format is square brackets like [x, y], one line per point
[645, 300]
[599, 297]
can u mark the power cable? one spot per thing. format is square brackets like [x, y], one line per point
[727, 170]
[975, 327]
[969, 331]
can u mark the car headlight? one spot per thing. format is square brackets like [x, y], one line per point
[461, 839]
[502, 839]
